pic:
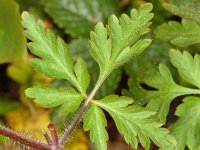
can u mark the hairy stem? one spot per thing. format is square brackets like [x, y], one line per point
[79, 116]
[23, 139]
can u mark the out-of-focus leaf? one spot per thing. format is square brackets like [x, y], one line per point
[20, 71]
[136, 92]
[7, 106]
[79, 140]
[79, 48]
[22, 120]
[184, 8]
[180, 34]
[12, 40]
[79, 17]
[156, 53]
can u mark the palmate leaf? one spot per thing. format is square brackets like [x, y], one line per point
[95, 121]
[180, 34]
[56, 60]
[132, 121]
[187, 129]
[79, 17]
[117, 43]
[54, 96]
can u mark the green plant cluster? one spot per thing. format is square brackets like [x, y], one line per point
[161, 65]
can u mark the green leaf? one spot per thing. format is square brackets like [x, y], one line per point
[188, 67]
[12, 40]
[186, 129]
[82, 74]
[79, 48]
[180, 34]
[56, 60]
[165, 91]
[133, 121]
[95, 121]
[7, 106]
[52, 97]
[79, 17]
[185, 9]
[118, 42]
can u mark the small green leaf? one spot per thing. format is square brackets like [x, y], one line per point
[79, 17]
[95, 121]
[52, 97]
[12, 40]
[188, 67]
[118, 42]
[134, 120]
[57, 62]
[186, 128]
[180, 34]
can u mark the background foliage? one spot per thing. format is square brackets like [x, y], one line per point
[164, 78]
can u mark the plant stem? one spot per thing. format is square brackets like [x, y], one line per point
[23, 139]
[79, 116]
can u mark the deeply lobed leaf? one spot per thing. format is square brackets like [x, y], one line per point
[190, 69]
[56, 61]
[165, 90]
[95, 121]
[132, 121]
[117, 43]
[186, 128]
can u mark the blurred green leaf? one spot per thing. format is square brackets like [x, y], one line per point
[156, 53]
[79, 17]
[7, 106]
[12, 40]
[184, 8]
[180, 34]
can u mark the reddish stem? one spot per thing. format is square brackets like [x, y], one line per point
[54, 135]
[23, 139]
